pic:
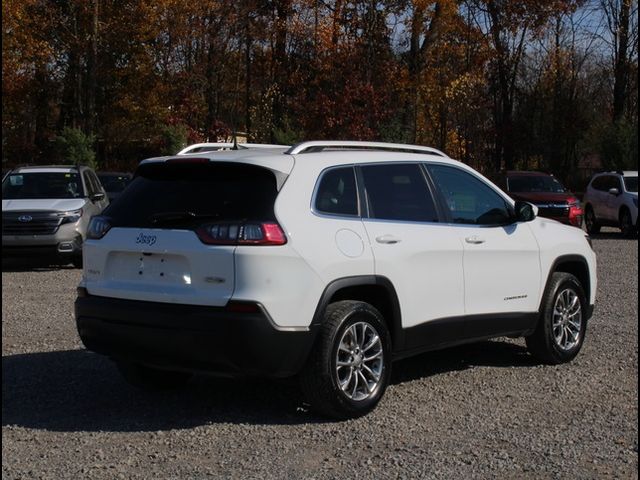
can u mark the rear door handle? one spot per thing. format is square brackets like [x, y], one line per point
[387, 239]
[475, 240]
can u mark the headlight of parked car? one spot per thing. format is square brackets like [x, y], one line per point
[71, 217]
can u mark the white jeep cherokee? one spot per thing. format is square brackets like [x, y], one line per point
[328, 260]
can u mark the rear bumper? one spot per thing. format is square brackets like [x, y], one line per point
[192, 338]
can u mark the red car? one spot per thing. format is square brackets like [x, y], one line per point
[546, 192]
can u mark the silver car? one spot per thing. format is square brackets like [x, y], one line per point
[46, 210]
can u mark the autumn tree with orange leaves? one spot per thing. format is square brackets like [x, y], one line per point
[495, 83]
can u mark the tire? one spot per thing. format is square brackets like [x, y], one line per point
[354, 388]
[77, 261]
[626, 226]
[152, 379]
[560, 343]
[590, 221]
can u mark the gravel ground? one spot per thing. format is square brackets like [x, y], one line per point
[481, 411]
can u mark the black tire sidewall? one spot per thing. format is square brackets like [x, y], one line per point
[364, 313]
[626, 227]
[561, 283]
[594, 227]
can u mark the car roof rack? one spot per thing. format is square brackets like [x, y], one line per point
[226, 146]
[320, 145]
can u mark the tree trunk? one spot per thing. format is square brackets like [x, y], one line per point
[92, 76]
[247, 73]
[621, 67]
[280, 51]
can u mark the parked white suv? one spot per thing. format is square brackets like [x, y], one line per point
[46, 210]
[328, 260]
[611, 200]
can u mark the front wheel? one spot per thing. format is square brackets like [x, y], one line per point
[350, 364]
[562, 324]
[626, 225]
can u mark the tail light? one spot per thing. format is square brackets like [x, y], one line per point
[98, 227]
[575, 211]
[252, 233]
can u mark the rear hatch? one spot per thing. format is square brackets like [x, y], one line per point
[170, 235]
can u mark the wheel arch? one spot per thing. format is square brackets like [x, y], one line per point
[375, 290]
[622, 208]
[577, 266]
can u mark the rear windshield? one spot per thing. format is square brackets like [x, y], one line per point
[186, 195]
[114, 183]
[28, 185]
[535, 183]
[631, 184]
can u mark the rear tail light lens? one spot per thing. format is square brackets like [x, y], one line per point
[575, 214]
[98, 227]
[252, 233]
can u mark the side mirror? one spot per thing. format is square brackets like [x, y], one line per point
[96, 197]
[525, 212]
[614, 191]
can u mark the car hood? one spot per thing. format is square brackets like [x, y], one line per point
[542, 197]
[49, 204]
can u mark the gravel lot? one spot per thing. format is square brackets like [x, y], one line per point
[481, 411]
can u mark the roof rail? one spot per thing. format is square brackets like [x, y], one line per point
[224, 146]
[320, 145]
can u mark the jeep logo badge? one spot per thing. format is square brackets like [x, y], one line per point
[146, 239]
[25, 218]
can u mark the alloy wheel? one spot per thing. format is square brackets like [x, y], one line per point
[567, 319]
[359, 361]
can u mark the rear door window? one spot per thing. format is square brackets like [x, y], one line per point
[398, 192]
[182, 195]
[601, 183]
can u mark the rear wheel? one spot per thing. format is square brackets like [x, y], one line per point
[148, 378]
[626, 226]
[562, 325]
[349, 367]
[590, 220]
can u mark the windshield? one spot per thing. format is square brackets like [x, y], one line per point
[631, 184]
[535, 183]
[114, 183]
[29, 185]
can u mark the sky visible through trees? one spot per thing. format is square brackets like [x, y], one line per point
[544, 84]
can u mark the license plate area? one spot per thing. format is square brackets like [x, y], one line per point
[148, 268]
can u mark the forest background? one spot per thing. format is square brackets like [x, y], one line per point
[498, 84]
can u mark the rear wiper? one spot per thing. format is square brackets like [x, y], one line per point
[169, 217]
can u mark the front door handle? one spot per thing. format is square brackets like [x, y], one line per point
[387, 239]
[475, 240]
